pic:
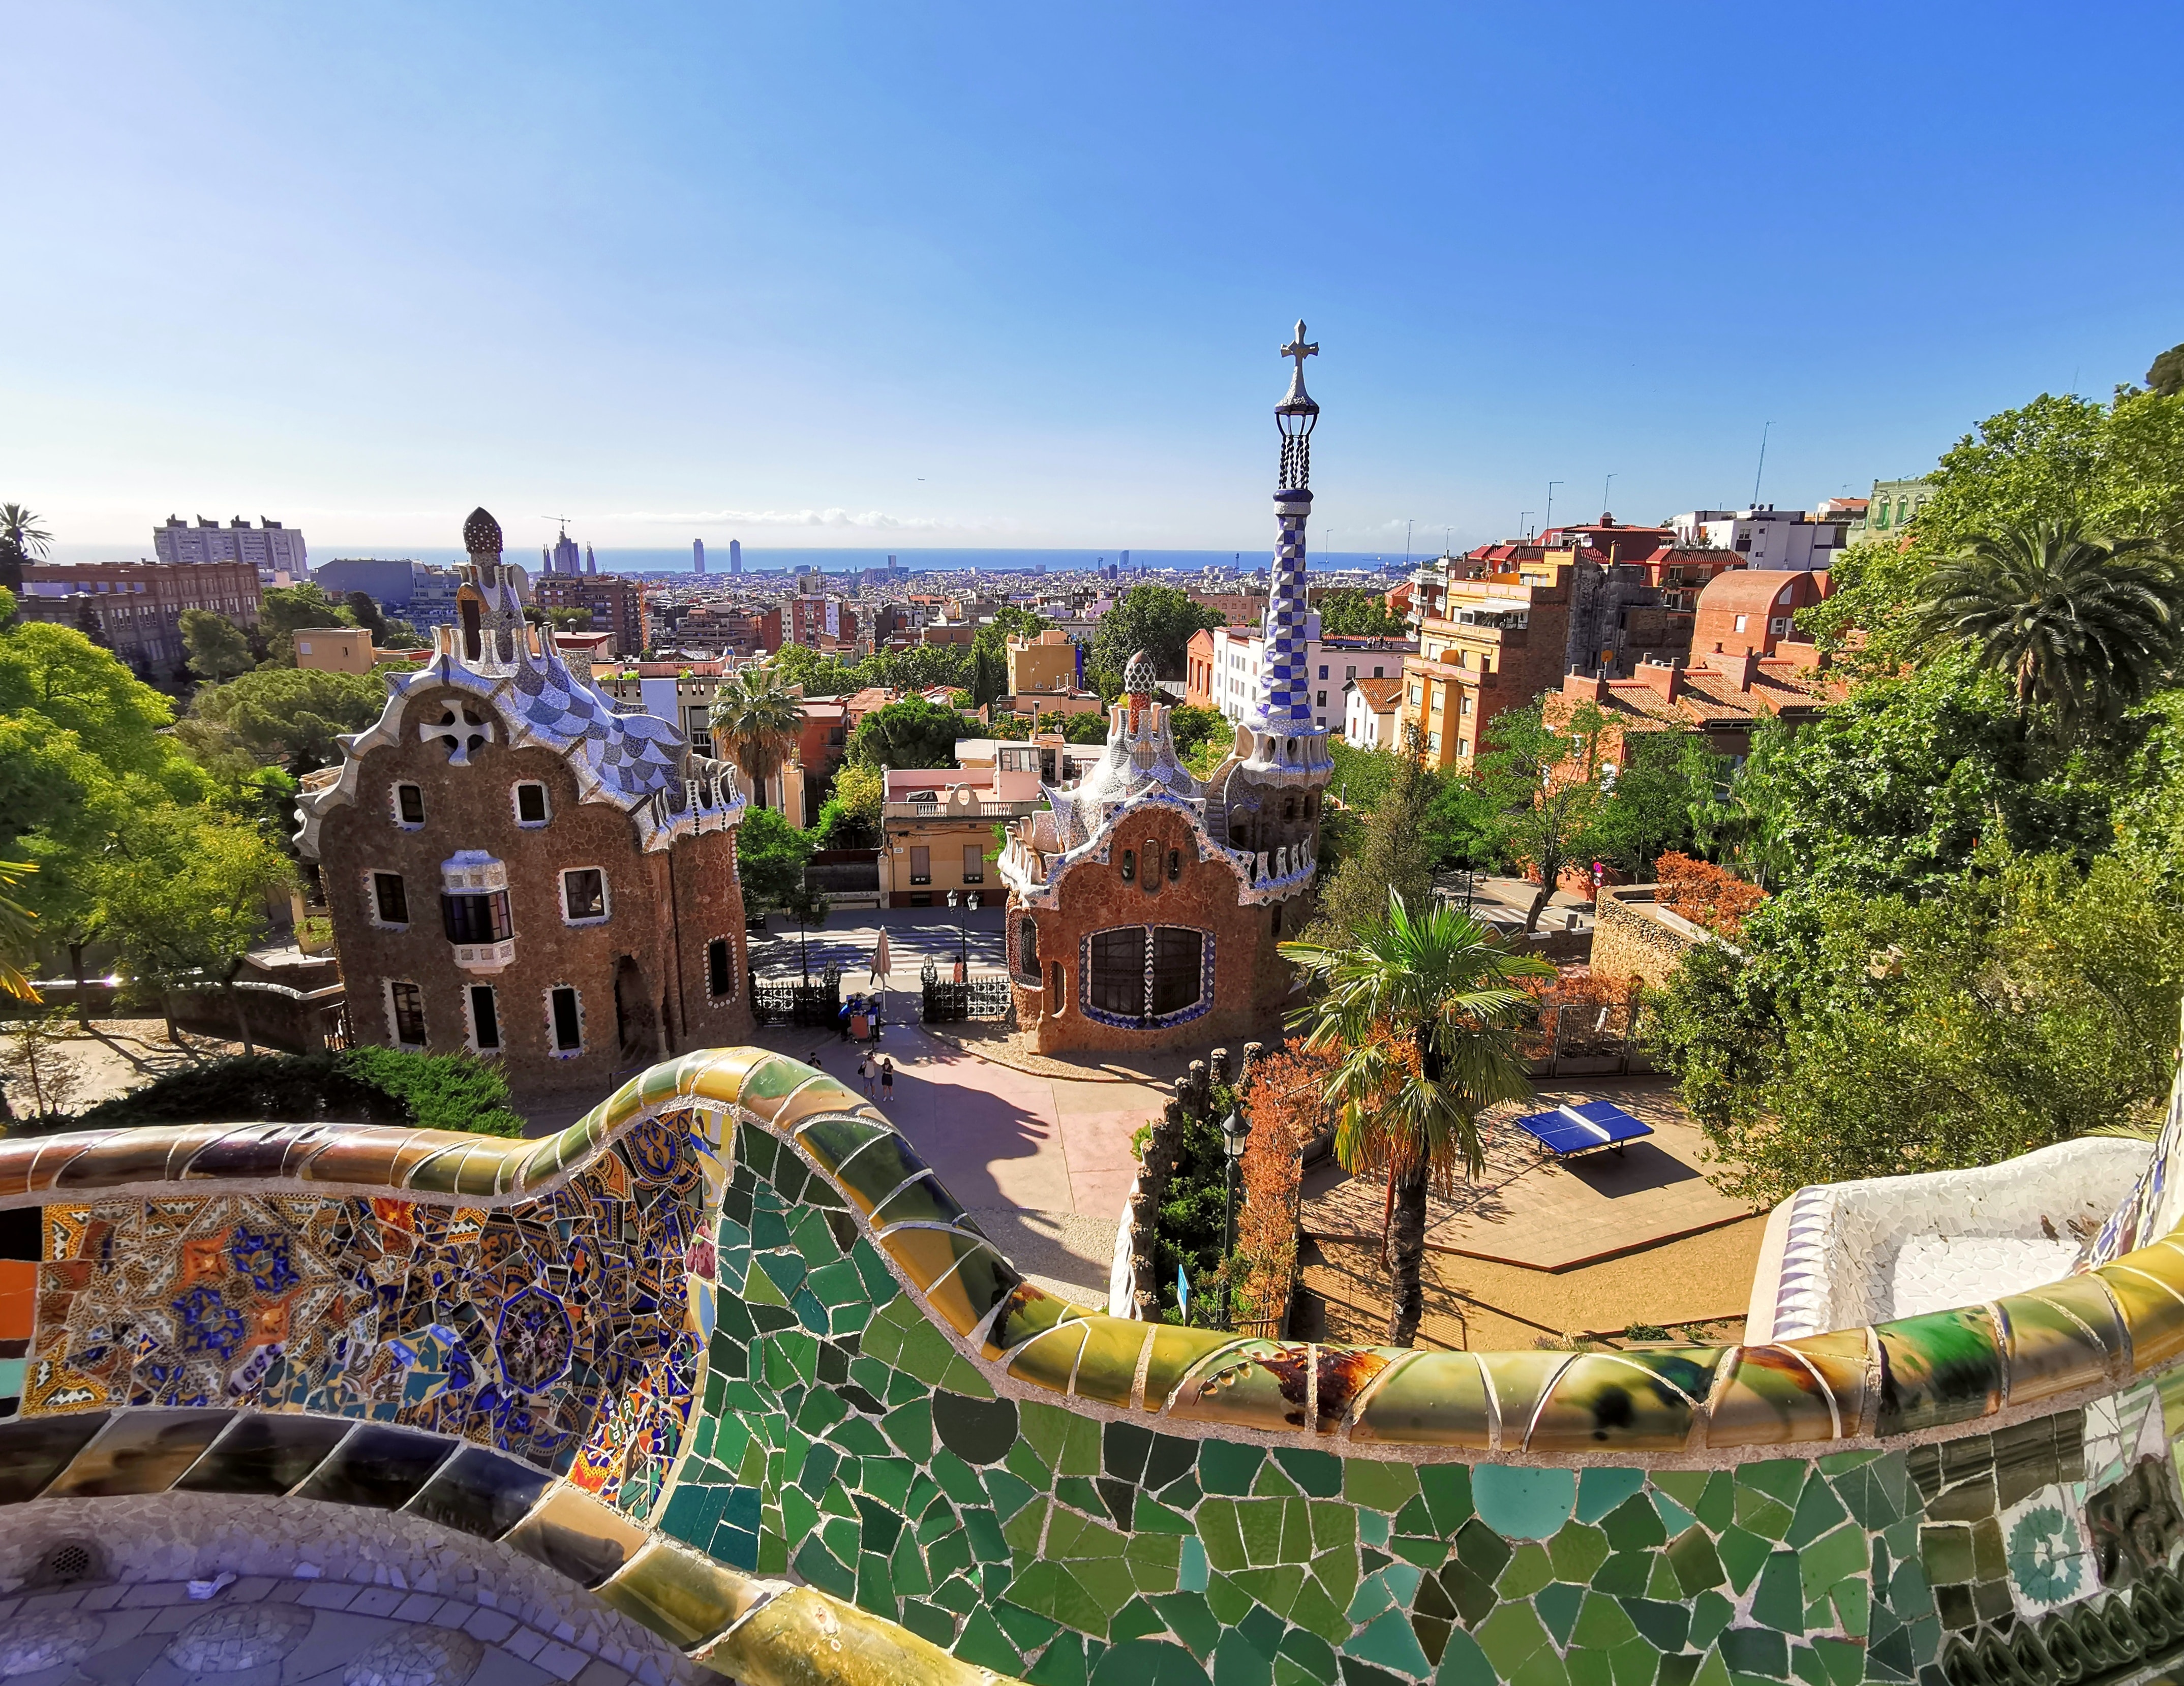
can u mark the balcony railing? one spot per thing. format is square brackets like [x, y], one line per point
[487, 957]
[985, 808]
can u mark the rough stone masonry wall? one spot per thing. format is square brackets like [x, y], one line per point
[1631, 941]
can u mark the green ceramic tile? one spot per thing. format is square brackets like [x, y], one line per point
[1819, 1510]
[1588, 1667]
[1624, 1574]
[1510, 1637]
[1237, 1663]
[1061, 1664]
[1755, 1650]
[1559, 1605]
[1761, 1513]
[1224, 1466]
[1832, 1558]
[1189, 1619]
[1529, 1569]
[1634, 1663]
[1390, 1642]
[1632, 1526]
[1276, 1587]
[1320, 1610]
[1697, 1566]
[1272, 1482]
[1464, 1663]
[1852, 1600]
[1778, 1600]
[1378, 1486]
[1710, 1614]
[1741, 1554]
[1663, 1626]
[1576, 1551]
[1601, 1622]
[984, 1643]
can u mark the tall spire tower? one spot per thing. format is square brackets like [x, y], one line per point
[1287, 745]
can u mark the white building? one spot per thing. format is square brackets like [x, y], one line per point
[1368, 711]
[1329, 666]
[276, 551]
[1783, 540]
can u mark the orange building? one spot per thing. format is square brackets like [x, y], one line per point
[1499, 643]
[1752, 609]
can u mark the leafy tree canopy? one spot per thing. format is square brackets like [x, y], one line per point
[769, 858]
[1351, 612]
[910, 733]
[288, 713]
[1159, 620]
[217, 648]
[850, 816]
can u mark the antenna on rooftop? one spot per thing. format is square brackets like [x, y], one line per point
[1763, 464]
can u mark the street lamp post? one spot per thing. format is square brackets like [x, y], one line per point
[962, 937]
[1234, 1132]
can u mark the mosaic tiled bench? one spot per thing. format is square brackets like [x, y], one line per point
[727, 1330]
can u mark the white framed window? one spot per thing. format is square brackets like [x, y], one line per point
[1741, 621]
[720, 969]
[584, 896]
[565, 1021]
[1463, 746]
[408, 806]
[405, 1014]
[531, 808]
[1779, 625]
[386, 900]
[483, 1006]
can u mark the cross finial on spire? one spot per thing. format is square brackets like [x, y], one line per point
[1298, 349]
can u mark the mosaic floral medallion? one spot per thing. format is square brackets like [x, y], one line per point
[416, 1656]
[46, 1639]
[2051, 1561]
[241, 1636]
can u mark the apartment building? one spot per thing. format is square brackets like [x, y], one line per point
[135, 609]
[277, 553]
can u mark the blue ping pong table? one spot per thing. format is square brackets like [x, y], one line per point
[1570, 1131]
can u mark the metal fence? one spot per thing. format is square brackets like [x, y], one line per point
[1587, 1038]
[784, 1002]
[943, 1002]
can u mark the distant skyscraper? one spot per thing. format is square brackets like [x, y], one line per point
[273, 549]
[698, 555]
[564, 559]
[591, 562]
[735, 556]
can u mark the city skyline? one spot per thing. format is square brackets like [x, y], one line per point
[811, 278]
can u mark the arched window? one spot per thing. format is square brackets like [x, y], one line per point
[1175, 866]
[1027, 948]
[1143, 976]
[1129, 866]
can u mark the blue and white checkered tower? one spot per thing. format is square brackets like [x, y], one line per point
[1287, 745]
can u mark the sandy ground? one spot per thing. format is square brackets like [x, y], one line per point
[1703, 1280]
[117, 1055]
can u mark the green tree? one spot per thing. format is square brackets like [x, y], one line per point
[757, 721]
[819, 675]
[183, 891]
[2082, 625]
[362, 610]
[2166, 377]
[910, 733]
[2116, 468]
[1386, 849]
[850, 816]
[286, 610]
[1543, 781]
[17, 934]
[2024, 1006]
[217, 649]
[1425, 1011]
[1158, 620]
[290, 714]
[1350, 612]
[401, 635]
[770, 855]
[1646, 807]
[1089, 728]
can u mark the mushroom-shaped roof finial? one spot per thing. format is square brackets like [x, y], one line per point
[1138, 674]
[481, 534]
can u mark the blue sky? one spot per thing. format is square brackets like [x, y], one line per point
[1015, 274]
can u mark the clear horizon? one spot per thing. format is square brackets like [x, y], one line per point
[974, 277]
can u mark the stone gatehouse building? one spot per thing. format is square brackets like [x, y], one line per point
[516, 869]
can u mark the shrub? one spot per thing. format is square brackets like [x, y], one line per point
[1704, 894]
[364, 1086]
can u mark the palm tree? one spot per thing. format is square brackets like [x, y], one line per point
[21, 539]
[18, 935]
[2086, 624]
[1426, 1010]
[756, 722]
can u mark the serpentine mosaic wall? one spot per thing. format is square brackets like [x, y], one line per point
[886, 1413]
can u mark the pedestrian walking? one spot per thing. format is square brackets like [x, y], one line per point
[887, 1079]
[865, 1074]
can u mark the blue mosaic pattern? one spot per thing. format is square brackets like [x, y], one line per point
[1283, 705]
[1198, 1009]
